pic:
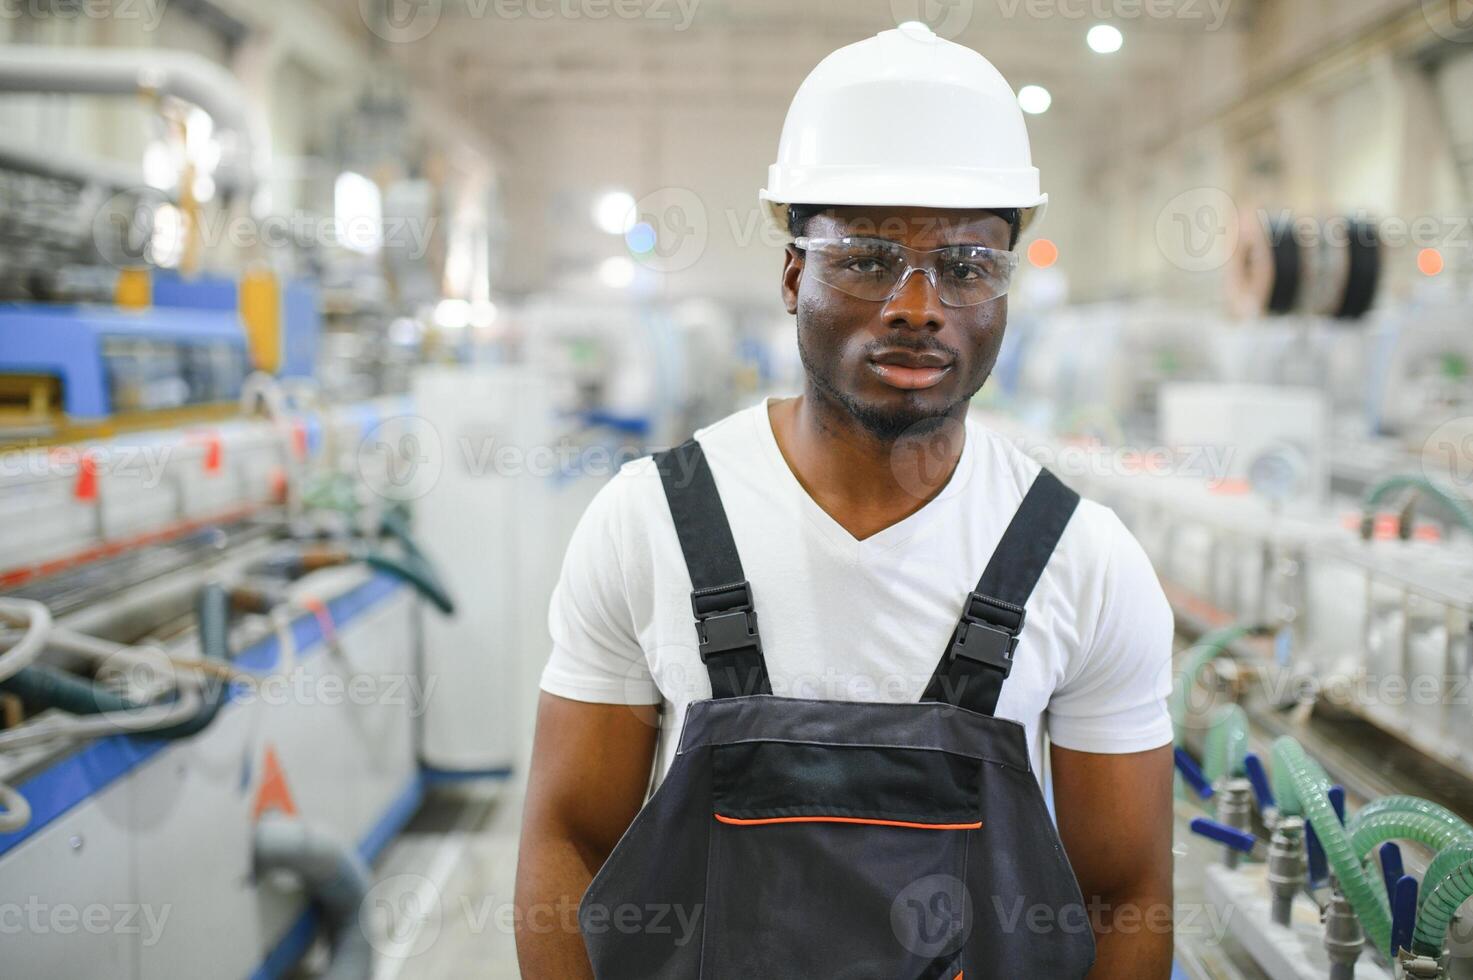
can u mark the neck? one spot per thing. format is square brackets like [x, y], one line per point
[864, 482]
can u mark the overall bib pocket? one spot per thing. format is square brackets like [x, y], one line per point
[844, 861]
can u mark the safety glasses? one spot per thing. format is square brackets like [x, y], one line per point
[875, 268]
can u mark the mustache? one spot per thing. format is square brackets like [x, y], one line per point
[912, 343]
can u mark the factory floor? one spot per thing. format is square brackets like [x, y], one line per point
[443, 895]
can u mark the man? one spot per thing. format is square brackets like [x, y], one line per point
[880, 816]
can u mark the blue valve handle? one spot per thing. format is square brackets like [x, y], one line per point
[1403, 912]
[1319, 869]
[1189, 770]
[1238, 840]
[1259, 778]
[1392, 869]
[1337, 800]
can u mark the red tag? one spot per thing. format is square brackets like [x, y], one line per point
[214, 453]
[299, 439]
[86, 488]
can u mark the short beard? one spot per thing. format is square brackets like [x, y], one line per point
[887, 425]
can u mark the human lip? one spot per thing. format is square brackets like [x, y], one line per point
[910, 369]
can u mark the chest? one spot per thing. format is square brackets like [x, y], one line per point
[856, 621]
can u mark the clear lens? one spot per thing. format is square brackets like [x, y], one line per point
[873, 268]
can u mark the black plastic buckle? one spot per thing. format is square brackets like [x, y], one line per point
[731, 630]
[988, 633]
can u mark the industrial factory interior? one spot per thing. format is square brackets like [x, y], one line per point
[484, 495]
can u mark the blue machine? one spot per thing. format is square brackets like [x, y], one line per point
[189, 348]
[90, 349]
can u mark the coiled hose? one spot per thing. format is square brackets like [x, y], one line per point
[1302, 788]
[1227, 745]
[1203, 652]
[1447, 884]
[1405, 818]
[1459, 507]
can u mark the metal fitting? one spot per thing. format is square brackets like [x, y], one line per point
[1415, 967]
[1235, 808]
[1286, 866]
[1344, 939]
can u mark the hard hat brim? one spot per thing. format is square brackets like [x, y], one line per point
[920, 195]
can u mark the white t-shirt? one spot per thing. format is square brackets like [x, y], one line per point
[851, 620]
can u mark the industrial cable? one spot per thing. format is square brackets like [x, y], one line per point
[15, 809]
[37, 620]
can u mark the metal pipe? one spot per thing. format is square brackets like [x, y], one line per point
[148, 71]
[336, 878]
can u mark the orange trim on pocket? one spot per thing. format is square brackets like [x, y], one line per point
[760, 821]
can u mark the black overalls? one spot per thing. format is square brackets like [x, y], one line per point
[797, 838]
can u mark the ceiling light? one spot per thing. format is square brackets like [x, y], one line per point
[1034, 99]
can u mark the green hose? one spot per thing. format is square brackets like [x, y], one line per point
[212, 616]
[44, 686]
[1447, 884]
[1405, 818]
[1301, 787]
[1456, 505]
[395, 523]
[417, 572]
[1227, 745]
[1203, 652]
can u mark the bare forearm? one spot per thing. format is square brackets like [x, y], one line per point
[1133, 936]
[552, 875]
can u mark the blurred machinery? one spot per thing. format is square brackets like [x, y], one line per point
[1298, 470]
[212, 600]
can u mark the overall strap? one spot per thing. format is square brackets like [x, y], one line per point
[726, 622]
[980, 655]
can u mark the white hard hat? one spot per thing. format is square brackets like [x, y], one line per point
[904, 118]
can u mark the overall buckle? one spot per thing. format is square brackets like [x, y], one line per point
[988, 633]
[731, 630]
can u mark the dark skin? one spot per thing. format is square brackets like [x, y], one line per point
[871, 447]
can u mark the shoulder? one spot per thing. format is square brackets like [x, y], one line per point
[1094, 528]
[636, 495]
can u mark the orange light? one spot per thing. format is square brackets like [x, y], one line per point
[1429, 261]
[1043, 253]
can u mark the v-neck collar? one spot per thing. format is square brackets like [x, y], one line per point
[835, 533]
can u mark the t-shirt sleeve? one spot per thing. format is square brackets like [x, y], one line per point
[596, 654]
[1115, 701]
